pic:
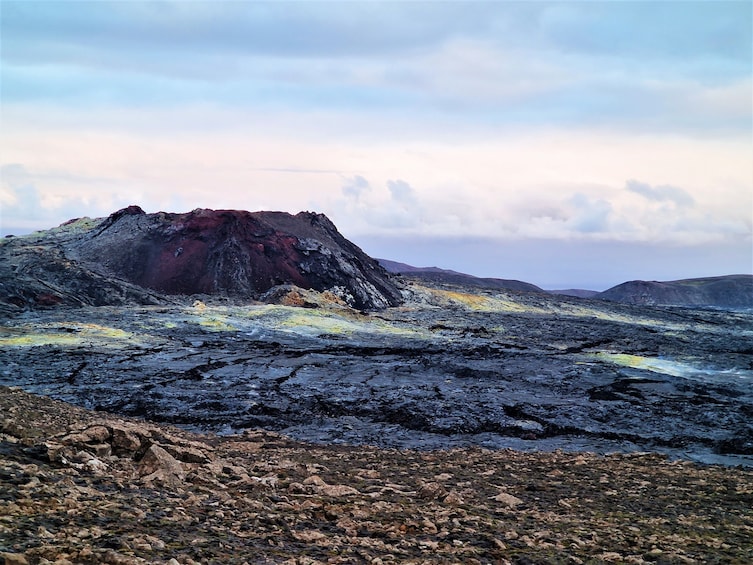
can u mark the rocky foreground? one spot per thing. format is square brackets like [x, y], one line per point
[82, 487]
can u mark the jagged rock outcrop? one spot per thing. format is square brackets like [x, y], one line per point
[132, 256]
[732, 291]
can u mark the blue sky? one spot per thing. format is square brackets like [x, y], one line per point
[564, 143]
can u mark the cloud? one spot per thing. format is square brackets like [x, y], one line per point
[512, 185]
[402, 210]
[24, 206]
[19, 194]
[662, 193]
[402, 193]
[501, 64]
[514, 119]
[389, 207]
[591, 215]
[32, 200]
[305, 29]
[669, 31]
[323, 29]
[355, 187]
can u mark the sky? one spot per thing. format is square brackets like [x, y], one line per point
[567, 144]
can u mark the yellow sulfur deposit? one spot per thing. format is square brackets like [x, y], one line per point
[664, 366]
[65, 335]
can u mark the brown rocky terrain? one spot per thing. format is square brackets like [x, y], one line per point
[83, 487]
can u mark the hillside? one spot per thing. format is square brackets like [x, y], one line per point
[732, 291]
[437, 275]
[575, 292]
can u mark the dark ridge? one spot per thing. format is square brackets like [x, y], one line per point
[575, 292]
[437, 275]
[731, 291]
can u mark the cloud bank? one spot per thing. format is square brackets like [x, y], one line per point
[567, 121]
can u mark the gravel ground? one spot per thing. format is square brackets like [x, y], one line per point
[82, 487]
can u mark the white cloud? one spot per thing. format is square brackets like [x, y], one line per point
[26, 204]
[402, 193]
[665, 193]
[355, 187]
[592, 215]
[442, 178]
[485, 63]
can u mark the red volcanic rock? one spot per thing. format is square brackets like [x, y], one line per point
[47, 299]
[234, 253]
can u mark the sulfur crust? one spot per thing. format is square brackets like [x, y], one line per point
[663, 366]
[337, 321]
[503, 303]
[73, 334]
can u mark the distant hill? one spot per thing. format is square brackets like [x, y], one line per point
[731, 291]
[435, 274]
[576, 292]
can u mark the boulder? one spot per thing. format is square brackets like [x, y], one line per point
[157, 465]
[14, 559]
[506, 499]
[125, 440]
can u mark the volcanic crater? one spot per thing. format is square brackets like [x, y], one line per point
[232, 253]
